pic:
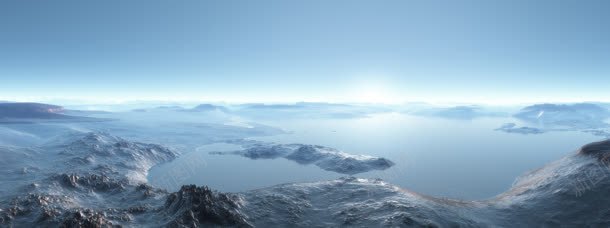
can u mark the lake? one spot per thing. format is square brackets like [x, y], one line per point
[458, 158]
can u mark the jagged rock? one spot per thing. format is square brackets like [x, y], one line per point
[266, 152]
[192, 206]
[88, 197]
[86, 219]
[137, 209]
[147, 190]
[92, 182]
[114, 156]
[38, 209]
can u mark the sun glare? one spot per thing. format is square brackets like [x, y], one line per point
[375, 94]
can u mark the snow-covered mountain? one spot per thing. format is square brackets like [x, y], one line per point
[93, 180]
[581, 115]
[326, 158]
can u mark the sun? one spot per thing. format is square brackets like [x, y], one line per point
[375, 94]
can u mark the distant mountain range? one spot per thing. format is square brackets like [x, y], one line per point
[32, 111]
[198, 108]
[458, 112]
[17, 112]
[206, 108]
[582, 115]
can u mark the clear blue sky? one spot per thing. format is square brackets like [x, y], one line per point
[310, 50]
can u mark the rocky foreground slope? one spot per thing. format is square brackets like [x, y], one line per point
[96, 180]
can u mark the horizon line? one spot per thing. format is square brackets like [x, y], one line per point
[498, 102]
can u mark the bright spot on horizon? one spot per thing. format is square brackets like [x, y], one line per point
[375, 93]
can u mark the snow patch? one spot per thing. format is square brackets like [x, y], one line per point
[326, 158]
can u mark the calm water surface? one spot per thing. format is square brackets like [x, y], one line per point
[442, 157]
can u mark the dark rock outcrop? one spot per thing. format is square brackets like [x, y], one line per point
[600, 149]
[92, 182]
[86, 219]
[193, 206]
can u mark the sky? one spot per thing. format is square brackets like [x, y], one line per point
[315, 50]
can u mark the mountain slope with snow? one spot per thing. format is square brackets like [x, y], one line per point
[93, 179]
[581, 115]
[326, 158]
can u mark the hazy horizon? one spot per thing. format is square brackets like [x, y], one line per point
[194, 101]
